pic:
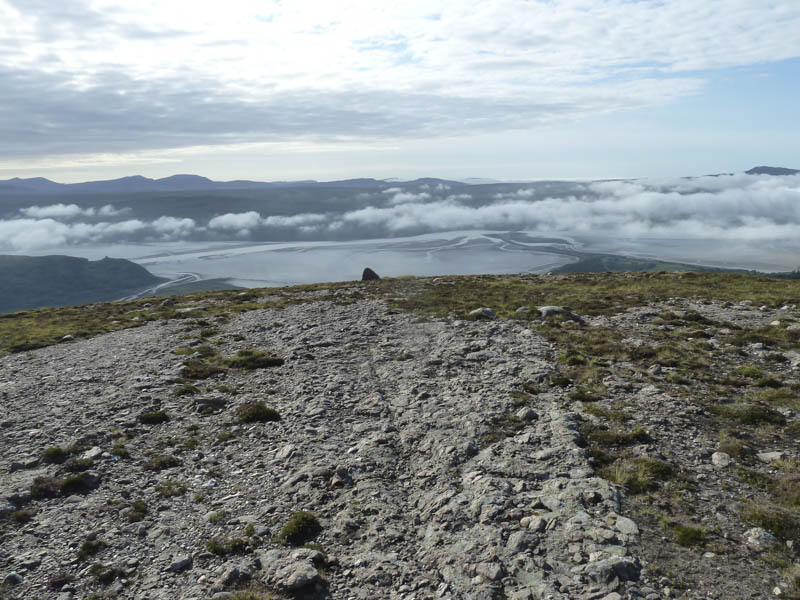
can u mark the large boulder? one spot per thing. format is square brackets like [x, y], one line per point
[369, 275]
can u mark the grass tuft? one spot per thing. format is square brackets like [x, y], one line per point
[256, 412]
[302, 527]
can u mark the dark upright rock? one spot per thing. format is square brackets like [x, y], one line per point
[369, 275]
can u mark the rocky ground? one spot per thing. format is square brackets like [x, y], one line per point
[411, 456]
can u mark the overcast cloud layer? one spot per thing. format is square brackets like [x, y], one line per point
[107, 76]
[735, 207]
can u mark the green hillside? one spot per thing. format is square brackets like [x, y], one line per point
[37, 281]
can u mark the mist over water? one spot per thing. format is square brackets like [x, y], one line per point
[307, 234]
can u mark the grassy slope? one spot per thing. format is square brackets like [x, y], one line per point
[591, 294]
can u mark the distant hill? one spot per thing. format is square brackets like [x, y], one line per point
[772, 171]
[38, 281]
[188, 183]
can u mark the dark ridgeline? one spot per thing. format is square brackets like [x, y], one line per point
[38, 281]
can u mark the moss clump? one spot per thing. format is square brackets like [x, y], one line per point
[119, 450]
[78, 465]
[253, 359]
[618, 439]
[256, 412]
[227, 546]
[154, 417]
[138, 511]
[750, 371]
[187, 389]
[170, 489]
[22, 516]
[748, 414]
[90, 548]
[690, 536]
[585, 394]
[300, 528]
[55, 455]
[199, 369]
[609, 414]
[204, 350]
[638, 474]
[80, 483]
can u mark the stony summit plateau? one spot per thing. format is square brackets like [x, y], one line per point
[637, 437]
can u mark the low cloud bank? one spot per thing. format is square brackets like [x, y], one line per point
[736, 207]
[69, 211]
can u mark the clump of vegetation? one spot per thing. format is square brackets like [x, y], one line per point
[638, 474]
[217, 516]
[119, 450]
[748, 414]
[22, 516]
[734, 446]
[690, 536]
[609, 414]
[46, 487]
[750, 371]
[55, 455]
[225, 436]
[501, 428]
[769, 381]
[78, 465]
[52, 487]
[153, 417]
[256, 412]
[617, 439]
[253, 359]
[80, 483]
[187, 389]
[253, 593]
[90, 548]
[199, 369]
[159, 462]
[203, 350]
[585, 394]
[191, 443]
[781, 521]
[56, 582]
[106, 575]
[228, 546]
[302, 527]
[170, 489]
[138, 511]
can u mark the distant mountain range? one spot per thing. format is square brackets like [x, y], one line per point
[37, 281]
[197, 183]
[186, 183]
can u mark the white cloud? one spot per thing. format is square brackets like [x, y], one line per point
[362, 69]
[736, 207]
[56, 211]
[235, 221]
[31, 234]
[110, 211]
[405, 197]
[728, 207]
[301, 220]
[172, 227]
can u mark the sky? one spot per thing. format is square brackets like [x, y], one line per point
[313, 89]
